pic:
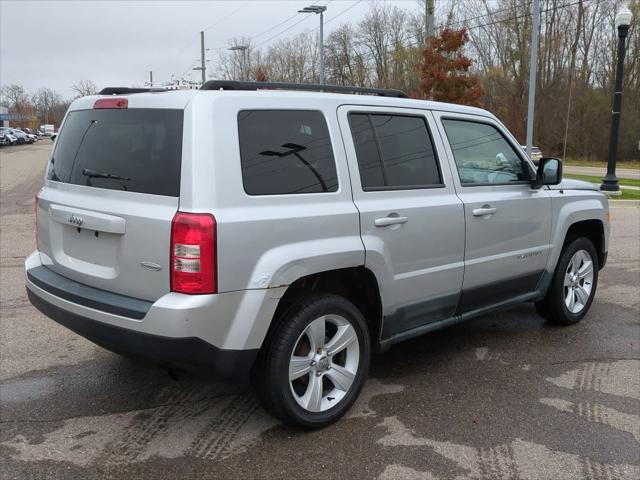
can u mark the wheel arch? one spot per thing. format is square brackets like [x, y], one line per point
[593, 230]
[580, 217]
[357, 284]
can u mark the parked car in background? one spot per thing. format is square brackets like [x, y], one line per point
[30, 137]
[4, 139]
[47, 130]
[31, 132]
[20, 137]
[536, 153]
[12, 140]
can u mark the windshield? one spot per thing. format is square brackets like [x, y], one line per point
[137, 150]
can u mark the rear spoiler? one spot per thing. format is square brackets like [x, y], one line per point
[122, 90]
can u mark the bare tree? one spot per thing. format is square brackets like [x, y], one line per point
[84, 88]
[13, 97]
[45, 101]
[576, 63]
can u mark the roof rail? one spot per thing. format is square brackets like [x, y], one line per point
[122, 90]
[236, 85]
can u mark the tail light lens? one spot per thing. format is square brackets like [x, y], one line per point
[193, 253]
[35, 211]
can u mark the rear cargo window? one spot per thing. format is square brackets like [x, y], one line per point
[137, 150]
[286, 152]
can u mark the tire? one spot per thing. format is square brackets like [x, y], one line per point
[568, 304]
[298, 343]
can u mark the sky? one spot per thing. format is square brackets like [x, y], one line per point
[53, 43]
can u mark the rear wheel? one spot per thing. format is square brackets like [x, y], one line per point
[315, 362]
[574, 284]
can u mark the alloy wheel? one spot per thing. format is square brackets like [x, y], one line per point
[578, 281]
[324, 363]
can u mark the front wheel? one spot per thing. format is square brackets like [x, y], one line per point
[315, 362]
[574, 284]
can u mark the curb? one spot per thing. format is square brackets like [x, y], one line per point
[624, 203]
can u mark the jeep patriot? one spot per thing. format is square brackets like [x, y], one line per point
[281, 233]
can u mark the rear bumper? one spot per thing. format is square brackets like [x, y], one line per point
[219, 335]
[190, 354]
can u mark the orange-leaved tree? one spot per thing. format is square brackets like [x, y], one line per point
[444, 72]
[261, 75]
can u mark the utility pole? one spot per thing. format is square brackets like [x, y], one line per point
[533, 70]
[318, 9]
[151, 77]
[428, 19]
[202, 60]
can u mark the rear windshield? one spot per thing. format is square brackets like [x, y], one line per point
[137, 150]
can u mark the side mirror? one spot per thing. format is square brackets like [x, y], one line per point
[549, 171]
[53, 136]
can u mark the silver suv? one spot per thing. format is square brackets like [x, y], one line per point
[256, 231]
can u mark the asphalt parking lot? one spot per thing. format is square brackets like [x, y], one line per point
[504, 396]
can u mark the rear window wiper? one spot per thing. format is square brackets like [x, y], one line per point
[94, 174]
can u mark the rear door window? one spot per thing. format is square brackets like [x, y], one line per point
[394, 152]
[136, 150]
[286, 152]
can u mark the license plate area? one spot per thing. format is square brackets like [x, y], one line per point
[89, 252]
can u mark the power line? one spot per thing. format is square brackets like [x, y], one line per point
[227, 16]
[522, 15]
[342, 12]
[193, 64]
[184, 49]
[274, 27]
[305, 17]
[516, 17]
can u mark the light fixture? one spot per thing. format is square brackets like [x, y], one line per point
[313, 9]
[623, 17]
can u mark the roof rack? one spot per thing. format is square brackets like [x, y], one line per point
[122, 90]
[236, 85]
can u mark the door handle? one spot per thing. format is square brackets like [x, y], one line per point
[484, 210]
[387, 221]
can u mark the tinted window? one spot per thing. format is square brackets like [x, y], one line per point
[369, 162]
[286, 152]
[141, 147]
[394, 151]
[482, 154]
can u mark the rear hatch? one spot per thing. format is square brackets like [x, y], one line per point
[112, 189]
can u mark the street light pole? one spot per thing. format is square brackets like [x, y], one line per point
[243, 60]
[610, 181]
[318, 9]
[321, 48]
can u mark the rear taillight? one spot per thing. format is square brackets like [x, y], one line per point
[193, 253]
[111, 103]
[35, 211]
